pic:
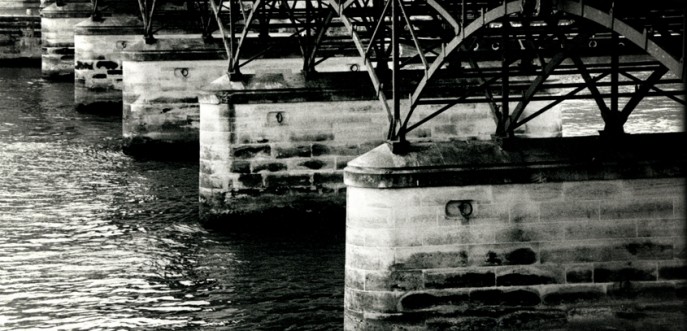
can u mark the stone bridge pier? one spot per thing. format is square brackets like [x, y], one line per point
[20, 32]
[526, 234]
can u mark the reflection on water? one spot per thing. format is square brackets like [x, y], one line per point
[90, 239]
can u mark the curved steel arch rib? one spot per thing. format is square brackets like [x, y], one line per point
[639, 38]
[574, 8]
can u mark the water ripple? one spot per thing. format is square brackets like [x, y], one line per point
[93, 240]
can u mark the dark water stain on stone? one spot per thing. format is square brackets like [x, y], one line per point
[313, 164]
[107, 65]
[524, 279]
[522, 256]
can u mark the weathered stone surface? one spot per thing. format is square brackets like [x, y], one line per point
[579, 273]
[533, 320]
[425, 258]
[417, 300]
[503, 254]
[288, 151]
[570, 294]
[600, 230]
[541, 252]
[460, 278]
[606, 250]
[529, 275]
[509, 297]
[394, 280]
[642, 291]
[250, 151]
[676, 269]
[625, 271]
[646, 209]
[529, 233]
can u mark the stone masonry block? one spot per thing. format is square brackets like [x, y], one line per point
[672, 270]
[314, 164]
[524, 212]
[460, 278]
[655, 187]
[528, 232]
[290, 180]
[240, 167]
[533, 320]
[625, 271]
[452, 235]
[606, 250]
[544, 192]
[571, 294]
[661, 227]
[212, 153]
[249, 181]
[282, 151]
[517, 296]
[348, 132]
[311, 136]
[328, 178]
[431, 257]
[415, 216]
[369, 258]
[356, 235]
[629, 209]
[600, 230]
[368, 217]
[680, 247]
[579, 273]
[679, 208]
[426, 300]
[642, 291]
[251, 151]
[394, 280]
[503, 254]
[267, 166]
[208, 167]
[393, 237]
[212, 182]
[529, 275]
[354, 278]
[445, 130]
[593, 190]
[569, 211]
[335, 149]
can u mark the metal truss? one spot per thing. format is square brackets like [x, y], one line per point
[447, 52]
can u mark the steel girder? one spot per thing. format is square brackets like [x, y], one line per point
[483, 49]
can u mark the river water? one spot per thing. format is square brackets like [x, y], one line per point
[92, 239]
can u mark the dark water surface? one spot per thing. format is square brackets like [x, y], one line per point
[92, 239]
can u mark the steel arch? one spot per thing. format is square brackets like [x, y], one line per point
[574, 8]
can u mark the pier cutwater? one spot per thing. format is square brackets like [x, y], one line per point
[330, 164]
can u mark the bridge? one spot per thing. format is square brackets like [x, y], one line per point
[491, 47]
[417, 119]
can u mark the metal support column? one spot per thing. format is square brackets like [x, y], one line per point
[395, 71]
